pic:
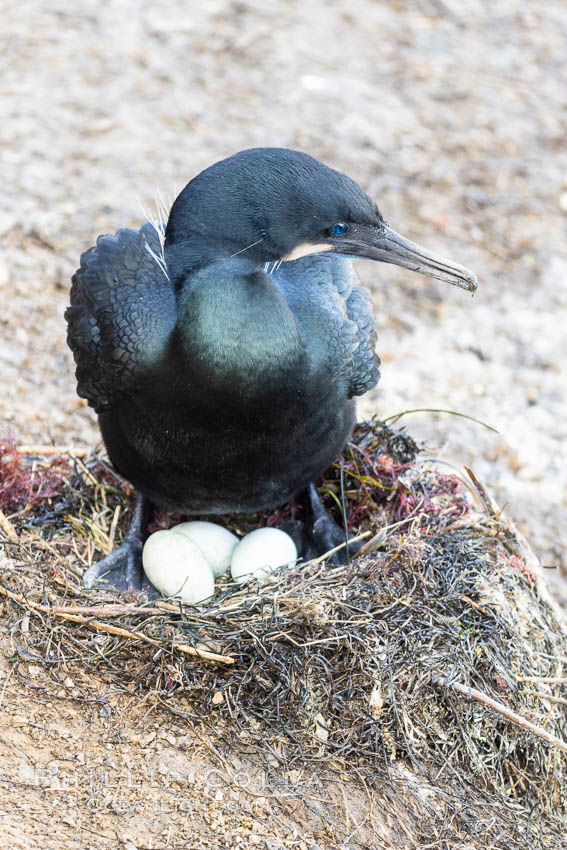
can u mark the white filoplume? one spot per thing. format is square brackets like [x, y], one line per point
[215, 542]
[176, 567]
[260, 553]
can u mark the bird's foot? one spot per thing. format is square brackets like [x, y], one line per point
[122, 569]
[321, 534]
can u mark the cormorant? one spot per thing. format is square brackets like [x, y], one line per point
[223, 357]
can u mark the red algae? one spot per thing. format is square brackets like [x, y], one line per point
[22, 485]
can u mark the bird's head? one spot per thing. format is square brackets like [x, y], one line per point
[270, 204]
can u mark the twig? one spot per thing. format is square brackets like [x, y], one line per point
[486, 500]
[113, 527]
[502, 709]
[561, 658]
[308, 642]
[477, 607]
[548, 697]
[87, 473]
[91, 611]
[383, 534]
[340, 546]
[74, 451]
[65, 614]
[393, 558]
[8, 529]
[550, 680]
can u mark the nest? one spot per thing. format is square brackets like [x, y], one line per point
[430, 666]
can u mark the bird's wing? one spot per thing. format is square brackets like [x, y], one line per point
[336, 316]
[121, 315]
[365, 372]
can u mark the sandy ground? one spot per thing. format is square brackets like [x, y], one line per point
[84, 767]
[452, 114]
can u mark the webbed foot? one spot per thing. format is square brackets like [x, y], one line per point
[319, 533]
[122, 569]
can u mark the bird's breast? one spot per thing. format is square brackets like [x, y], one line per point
[238, 338]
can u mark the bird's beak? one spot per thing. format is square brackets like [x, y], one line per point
[387, 246]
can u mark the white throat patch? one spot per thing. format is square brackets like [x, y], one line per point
[305, 249]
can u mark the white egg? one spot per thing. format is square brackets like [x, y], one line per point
[260, 552]
[177, 567]
[215, 542]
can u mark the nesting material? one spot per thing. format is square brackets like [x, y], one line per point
[432, 669]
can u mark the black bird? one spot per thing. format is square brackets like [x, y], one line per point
[223, 357]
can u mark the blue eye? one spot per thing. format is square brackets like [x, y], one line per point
[339, 228]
